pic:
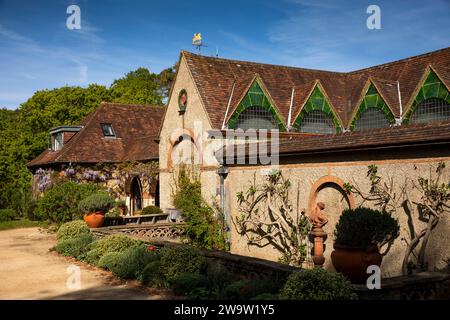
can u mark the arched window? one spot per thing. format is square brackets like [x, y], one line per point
[429, 110]
[317, 121]
[256, 117]
[372, 118]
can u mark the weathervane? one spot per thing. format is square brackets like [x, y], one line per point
[197, 41]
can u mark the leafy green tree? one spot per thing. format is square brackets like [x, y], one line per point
[139, 86]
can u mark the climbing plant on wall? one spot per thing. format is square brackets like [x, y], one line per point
[267, 219]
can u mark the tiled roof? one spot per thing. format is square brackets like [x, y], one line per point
[214, 78]
[136, 128]
[293, 144]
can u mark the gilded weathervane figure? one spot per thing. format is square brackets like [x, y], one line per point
[197, 41]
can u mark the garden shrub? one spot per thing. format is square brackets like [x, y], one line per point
[266, 296]
[99, 201]
[73, 229]
[247, 289]
[74, 247]
[152, 276]
[317, 284]
[7, 214]
[218, 278]
[151, 210]
[202, 228]
[190, 284]
[181, 259]
[111, 243]
[60, 202]
[362, 227]
[110, 260]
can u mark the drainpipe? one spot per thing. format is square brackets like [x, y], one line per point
[228, 105]
[290, 109]
[399, 121]
[222, 171]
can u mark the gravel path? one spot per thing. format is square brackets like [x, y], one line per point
[28, 270]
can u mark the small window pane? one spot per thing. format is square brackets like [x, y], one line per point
[371, 119]
[108, 130]
[317, 121]
[57, 141]
[256, 118]
[430, 110]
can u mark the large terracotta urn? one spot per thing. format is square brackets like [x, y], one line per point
[353, 262]
[94, 219]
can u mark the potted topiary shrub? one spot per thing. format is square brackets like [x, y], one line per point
[359, 235]
[94, 208]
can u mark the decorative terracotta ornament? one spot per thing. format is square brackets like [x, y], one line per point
[318, 219]
[182, 101]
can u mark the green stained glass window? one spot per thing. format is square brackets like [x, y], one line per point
[373, 112]
[255, 112]
[317, 115]
[432, 102]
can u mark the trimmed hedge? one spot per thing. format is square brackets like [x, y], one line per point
[181, 259]
[151, 210]
[111, 243]
[317, 284]
[73, 229]
[74, 247]
[128, 264]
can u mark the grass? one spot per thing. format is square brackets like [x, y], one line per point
[23, 223]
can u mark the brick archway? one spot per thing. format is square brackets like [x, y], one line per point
[178, 136]
[317, 186]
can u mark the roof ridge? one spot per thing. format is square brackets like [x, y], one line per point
[317, 70]
[403, 60]
[261, 63]
[132, 104]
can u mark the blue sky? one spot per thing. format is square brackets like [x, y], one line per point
[37, 51]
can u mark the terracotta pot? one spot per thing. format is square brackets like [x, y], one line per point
[353, 262]
[94, 219]
[123, 210]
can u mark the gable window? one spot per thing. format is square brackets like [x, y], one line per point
[256, 117]
[57, 141]
[429, 110]
[108, 130]
[317, 121]
[372, 118]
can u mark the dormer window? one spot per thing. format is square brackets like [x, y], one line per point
[108, 130]
[57, 141]
[60, 135]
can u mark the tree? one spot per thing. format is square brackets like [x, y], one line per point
[267, 218]
[138, 86]
[24, 134]
[432, 205]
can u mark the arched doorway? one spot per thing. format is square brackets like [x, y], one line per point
[135, 195]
